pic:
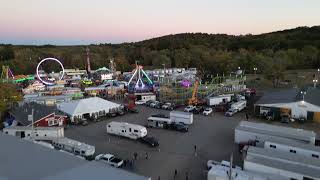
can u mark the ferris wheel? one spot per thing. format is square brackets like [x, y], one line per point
[47, 82]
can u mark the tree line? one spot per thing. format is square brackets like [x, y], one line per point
[270, 53]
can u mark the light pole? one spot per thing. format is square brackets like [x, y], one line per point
[315, 81]
[303, 93]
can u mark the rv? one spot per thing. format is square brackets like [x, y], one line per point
[181, 117]
[159, 121]
[75, 147]
[239, 106]
[132, 131]
[39, 133]
[260, 132]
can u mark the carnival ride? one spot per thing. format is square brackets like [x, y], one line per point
[197, 92]
[47, 82]
[139, 81]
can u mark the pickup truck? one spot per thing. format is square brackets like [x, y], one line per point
[109, 159]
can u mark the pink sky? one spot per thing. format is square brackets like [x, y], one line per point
[106, 21]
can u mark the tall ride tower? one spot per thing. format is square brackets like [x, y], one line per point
[88, 60]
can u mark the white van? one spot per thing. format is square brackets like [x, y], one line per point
[132, 131]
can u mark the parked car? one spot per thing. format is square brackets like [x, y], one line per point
[149, 102]
[180, 127]
[168, 106]
[189, 108]
[140, 102]
[207, 111]
[84, 122]
[109, 159]
[151, 141]
[153, 104]
[121, 112]
[159, 105]
[198, 110]
[231, 112]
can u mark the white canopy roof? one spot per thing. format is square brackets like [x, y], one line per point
[88, 105]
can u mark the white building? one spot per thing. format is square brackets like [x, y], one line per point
[37, 133]
[93, 107]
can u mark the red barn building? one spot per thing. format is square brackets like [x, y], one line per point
[51, 120]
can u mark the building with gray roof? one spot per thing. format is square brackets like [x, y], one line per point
[290, 102]
[21, 159]
[20, 113]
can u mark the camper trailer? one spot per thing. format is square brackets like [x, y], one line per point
[132, 131]
[39, 133]
[74, 147]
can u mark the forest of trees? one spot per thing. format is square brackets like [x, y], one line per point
[271, 53]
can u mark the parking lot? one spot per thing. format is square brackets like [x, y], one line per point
[212, 135]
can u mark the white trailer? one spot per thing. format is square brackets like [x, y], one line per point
[39, 133]
[132, 131]
[145, 96]
[290, 146]
[222, 172]
[213, 101]
[181, 117]
[288, 165]
[260, 132]
[239, 106]
[75, 147]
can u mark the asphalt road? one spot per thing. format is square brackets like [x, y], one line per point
[213, 135]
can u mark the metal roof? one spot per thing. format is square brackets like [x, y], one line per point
[20, 158]
[280, 131]
[287, 157]
[295, 168]
[279, 96]
[30, 128]
[21, 112]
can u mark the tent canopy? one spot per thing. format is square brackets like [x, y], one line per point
[88, 105]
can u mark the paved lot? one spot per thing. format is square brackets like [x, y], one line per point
[213, 136]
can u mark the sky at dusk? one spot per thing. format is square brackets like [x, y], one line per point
[69, 22]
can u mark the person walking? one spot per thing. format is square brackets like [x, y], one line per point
[175, 174]
[195, 150]
[247, 116]
[147, 156]
[135, 155]
[158, 177]
[187, 176]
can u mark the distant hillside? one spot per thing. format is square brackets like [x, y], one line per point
[271, 53]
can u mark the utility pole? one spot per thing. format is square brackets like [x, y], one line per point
[30, 118]
[231, 164]
[88, 60]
